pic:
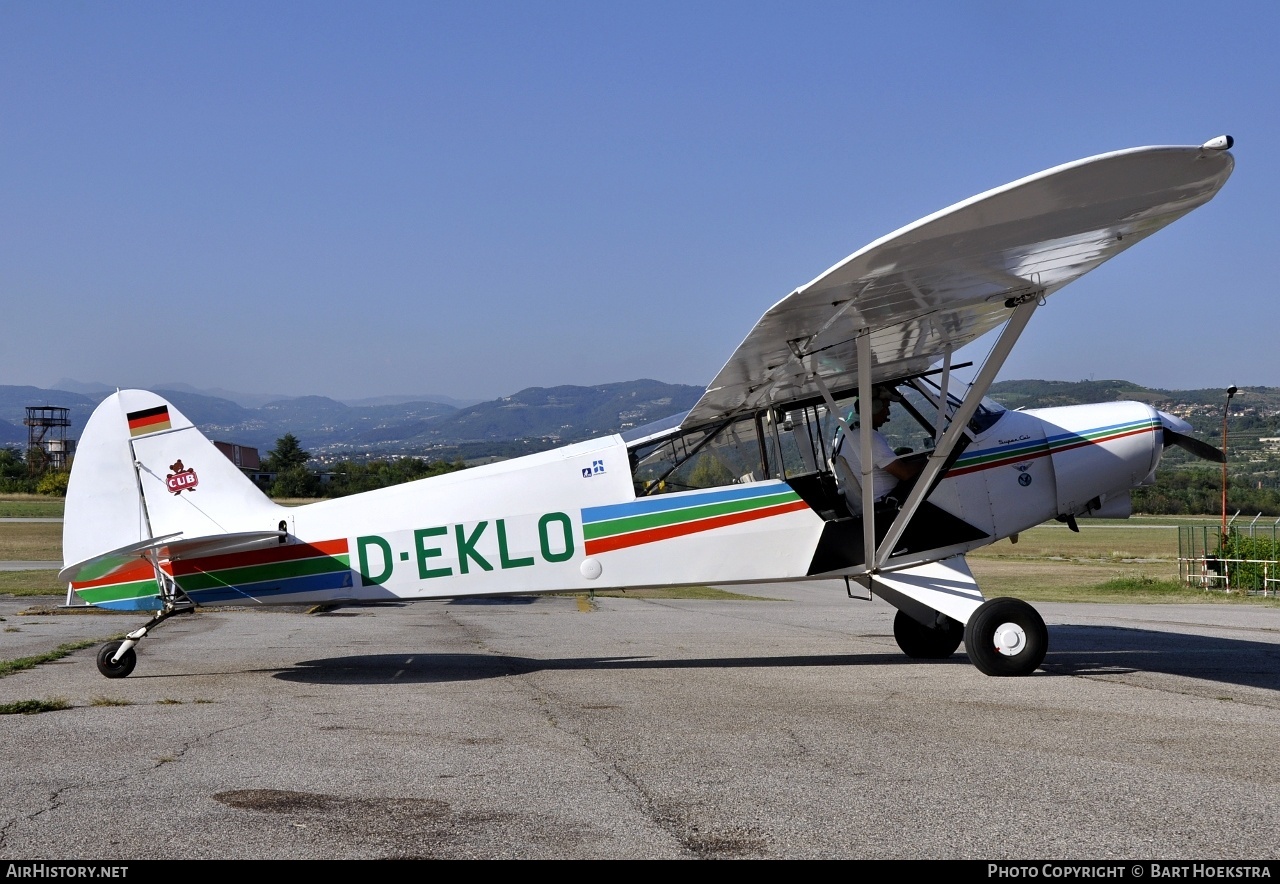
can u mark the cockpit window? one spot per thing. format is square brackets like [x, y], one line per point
[709, 457]
[786, 442]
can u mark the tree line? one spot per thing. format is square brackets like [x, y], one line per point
[1198, 491]
[293, 478]
[287, 461]
[32, 474]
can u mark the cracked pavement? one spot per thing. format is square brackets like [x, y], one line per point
[788, 726]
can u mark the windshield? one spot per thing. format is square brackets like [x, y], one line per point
[924, 393]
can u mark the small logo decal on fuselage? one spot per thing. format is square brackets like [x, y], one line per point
[597, 466]
[181, 479]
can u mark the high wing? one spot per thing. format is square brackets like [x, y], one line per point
[939, 283]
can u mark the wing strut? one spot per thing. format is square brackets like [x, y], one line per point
[1023, 307]
[941, 411]
[864, 420]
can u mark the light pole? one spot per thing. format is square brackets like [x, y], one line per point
[1231, 391]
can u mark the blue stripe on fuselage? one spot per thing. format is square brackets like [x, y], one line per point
[665, 502]
[272, 589]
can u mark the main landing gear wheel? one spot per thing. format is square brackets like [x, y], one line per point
[121, 667]
[925, 643]
[1006, 637]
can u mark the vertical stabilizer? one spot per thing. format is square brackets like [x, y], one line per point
[143, 470]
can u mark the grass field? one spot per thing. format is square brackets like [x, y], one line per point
[30, 506]
[22, 583]
[30, 541]
[1131, 560]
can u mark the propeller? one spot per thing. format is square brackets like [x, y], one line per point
[1178, 432]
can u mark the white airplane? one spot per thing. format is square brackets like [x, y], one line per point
[741, 488]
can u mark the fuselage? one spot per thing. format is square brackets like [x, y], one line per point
[570, 519]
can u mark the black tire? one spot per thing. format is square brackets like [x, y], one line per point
[924, 643]
[119, 669]
[1006, 637]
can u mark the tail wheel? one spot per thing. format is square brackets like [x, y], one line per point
[121, 667]
[926, 643]
[1006, 637]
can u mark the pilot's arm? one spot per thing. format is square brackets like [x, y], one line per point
[905, 469]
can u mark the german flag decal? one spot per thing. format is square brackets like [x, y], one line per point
[152, 420]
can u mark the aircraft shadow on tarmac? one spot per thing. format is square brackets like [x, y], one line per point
[1074, 650]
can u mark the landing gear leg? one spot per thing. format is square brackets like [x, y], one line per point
[117, 659]
[1006, 637]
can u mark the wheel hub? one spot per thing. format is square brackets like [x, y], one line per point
[1010, 639]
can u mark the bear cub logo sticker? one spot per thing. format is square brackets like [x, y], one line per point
[181, 479]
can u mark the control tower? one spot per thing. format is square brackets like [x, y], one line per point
[47, 431]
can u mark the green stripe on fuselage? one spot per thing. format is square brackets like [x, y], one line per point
[114, 592]
[261, 573]
[1102, 434]
[627, 524]
[1021, 453]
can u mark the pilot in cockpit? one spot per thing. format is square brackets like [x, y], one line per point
[891, 474]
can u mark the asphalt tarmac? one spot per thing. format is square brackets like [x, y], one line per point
[788, 726]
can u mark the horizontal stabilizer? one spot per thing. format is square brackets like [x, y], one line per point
[172, 547]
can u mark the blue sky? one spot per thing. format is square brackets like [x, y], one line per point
[472, 198]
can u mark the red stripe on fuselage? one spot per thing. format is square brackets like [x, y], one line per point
[666, 532]
[1085, 442]
[1020, 458]
[141, 569]
[138, 570]
[268, 556]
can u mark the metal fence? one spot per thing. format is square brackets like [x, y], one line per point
[1245, 559]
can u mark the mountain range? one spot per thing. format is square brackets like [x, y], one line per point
[255, 400]
[538, 417]
[543, 417]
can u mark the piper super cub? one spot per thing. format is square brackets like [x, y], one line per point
[742, 488]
